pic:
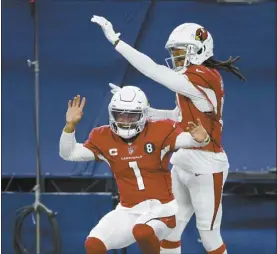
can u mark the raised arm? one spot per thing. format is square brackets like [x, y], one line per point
[69, 149]
[159, 73]
[174, 81]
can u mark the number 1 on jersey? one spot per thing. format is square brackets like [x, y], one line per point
[134, 166]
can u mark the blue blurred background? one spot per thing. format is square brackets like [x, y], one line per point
[75, 58]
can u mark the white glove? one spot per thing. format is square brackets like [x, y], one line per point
[114, 88]
[107, 28]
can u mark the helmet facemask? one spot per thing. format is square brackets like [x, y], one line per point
[180, 56]
[127, 123]
[196, 43]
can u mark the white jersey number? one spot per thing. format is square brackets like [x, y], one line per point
[134, 166]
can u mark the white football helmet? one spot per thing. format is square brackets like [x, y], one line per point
[128, 111]
[196, 41]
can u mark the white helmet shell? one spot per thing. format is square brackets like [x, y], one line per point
[194, 39]
[128, 100]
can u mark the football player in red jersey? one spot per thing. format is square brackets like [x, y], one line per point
[137, 151]
[199, 173]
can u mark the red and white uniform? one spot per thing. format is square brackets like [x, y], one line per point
[198, 175]
[141, 168]
[209, 85]
[142, 175]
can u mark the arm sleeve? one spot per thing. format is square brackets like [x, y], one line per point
[91, 144]
[70, 150]
[170, 140]
[159, 73]
[185, 140]
[160, 114]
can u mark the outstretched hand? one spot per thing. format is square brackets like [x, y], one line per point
[197, 131]
[75, 110]
[107, 28]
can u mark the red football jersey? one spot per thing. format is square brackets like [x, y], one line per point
[203, 77]
[141, 167]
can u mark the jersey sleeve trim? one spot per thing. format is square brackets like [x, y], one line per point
[97, 152]
[201, 90]
[171, 147]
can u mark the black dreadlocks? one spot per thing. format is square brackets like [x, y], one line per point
[225, 65]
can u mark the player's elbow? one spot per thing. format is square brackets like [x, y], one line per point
[64, 155]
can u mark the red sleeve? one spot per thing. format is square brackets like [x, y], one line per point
[174, 130]
[92, 144]
[201, 76]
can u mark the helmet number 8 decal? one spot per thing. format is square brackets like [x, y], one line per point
[149, 148]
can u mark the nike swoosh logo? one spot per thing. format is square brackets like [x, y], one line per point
[199, 71]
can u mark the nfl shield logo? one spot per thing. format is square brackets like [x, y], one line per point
[130, 149]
